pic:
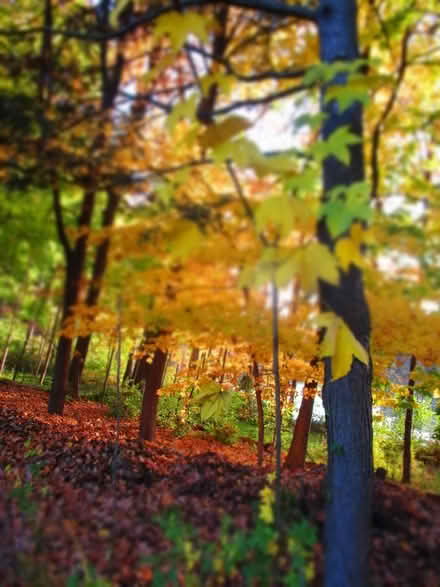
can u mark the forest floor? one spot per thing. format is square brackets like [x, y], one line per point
[61, 504]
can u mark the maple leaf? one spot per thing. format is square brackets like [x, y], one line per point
[217, 134]
[337, 145]
[186, 238]
[178, 26]
[309, 264]
[340, 344]
[186, 109]
[344, 205]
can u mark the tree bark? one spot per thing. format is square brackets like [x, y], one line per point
[406, 468]
[260, 413]
[296, 457]
[75, 261]
[29, 334]
[50, 346]
[108, 369]
[128, 369]
[347, 400]
[93, 293]
[147, 430]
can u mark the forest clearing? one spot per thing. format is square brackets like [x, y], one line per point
[219, 293]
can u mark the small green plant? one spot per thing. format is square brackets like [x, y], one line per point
[261, 556]
[86, 576]
[128, 405]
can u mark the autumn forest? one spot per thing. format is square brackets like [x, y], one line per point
[219, 293]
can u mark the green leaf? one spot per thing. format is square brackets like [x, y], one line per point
[344, 205]
[337, 145]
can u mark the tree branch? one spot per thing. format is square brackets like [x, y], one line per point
[377, 133]
[259, 101]
[272, 7]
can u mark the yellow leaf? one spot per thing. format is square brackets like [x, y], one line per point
[347, 252]
[187, 237]
[186, 109]
[178, 26]
[340, 344]
[309, 264]
[217, 134]
[243, 152]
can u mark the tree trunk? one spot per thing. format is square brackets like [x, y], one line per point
[225, 356]
[41, 351]
[29, 334]
[7, 343]
[406, 469]
[99, 267]
[147, 430]
[108, 369]
[260, 413]
[128, 369]
[296, 457]
[347, 400]
[75, 261]
[50, 346]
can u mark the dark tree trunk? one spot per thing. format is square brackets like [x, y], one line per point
[260, 413]
[194, 357]
[75, 261]
[99, 267]
[347, 400]
[108, 369]
[406, 470]
[225, 356]
[296, 457]
[147, 430]
[128, 369]
[7, 343]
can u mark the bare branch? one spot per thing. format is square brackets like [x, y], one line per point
[272, 7]
[259, 101]
[377, 133]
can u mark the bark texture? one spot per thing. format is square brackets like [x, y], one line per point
[406, 468]
[75, 261]
[147, 430]
[260, 413]
[347, 400]
[296, 457]
[93, 293]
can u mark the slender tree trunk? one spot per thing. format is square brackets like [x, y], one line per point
[260, 412]
[128, 369]
[99, 267]
[406, 469]
[75, 261]
[50, 346]
[28, 338]
[41, 352]
[225, 356]
[194, 357]
[296, 457]
[7, 343]
[147, 430]
[108, 369]
[347, 400]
